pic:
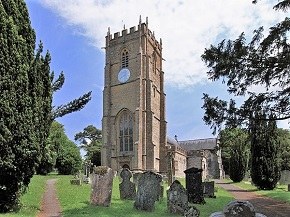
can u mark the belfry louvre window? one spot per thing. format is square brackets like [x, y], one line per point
[125, 58]
[126, 132]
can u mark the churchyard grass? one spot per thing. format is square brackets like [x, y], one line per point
[279, 193]
[75, 202]
[31, 200]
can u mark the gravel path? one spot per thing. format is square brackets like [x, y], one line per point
[50, 206]
[262, 204]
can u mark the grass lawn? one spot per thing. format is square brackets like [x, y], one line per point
[279, 193]
[32, 198]
[75, 202]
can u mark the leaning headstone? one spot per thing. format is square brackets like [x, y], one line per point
[208, 189]
[238, 209]
[127, 188]
[193, 182]
[147, 191]
[177, 199]
[102, 185]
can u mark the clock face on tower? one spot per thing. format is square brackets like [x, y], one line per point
[124, 75]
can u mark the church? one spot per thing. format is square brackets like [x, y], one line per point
[134, 121]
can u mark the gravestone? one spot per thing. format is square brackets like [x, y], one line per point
[288, 187]
[193, 182]
[136, 176]
[76, 180]
[127, 188]
[160, 188]
[208, 189]
[147, 191]
[285, 177]
[238, 209]
[177, 199]
[102, 185]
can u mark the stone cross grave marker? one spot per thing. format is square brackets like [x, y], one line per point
[102, 185]
[127, 188]
[193, 181]
[147, 191]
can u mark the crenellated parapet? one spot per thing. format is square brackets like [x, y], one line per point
[132, 33]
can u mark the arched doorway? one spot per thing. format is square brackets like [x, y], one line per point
[126, 166]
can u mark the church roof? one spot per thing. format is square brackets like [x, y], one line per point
[199, 144]
[172, 141]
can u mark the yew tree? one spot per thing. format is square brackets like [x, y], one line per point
[26, 112]
[264, 60]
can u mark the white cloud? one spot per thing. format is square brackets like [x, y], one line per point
[186, 27]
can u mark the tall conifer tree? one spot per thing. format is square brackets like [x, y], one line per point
[26, 113]
[18, 139]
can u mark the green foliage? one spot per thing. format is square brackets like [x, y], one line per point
[55, 140]
[25, 103]
[235, 152]
[26, 87]
[265, 170]
[69, 159]
[284, 141]
[263, 61]
[72, 106]
[61, 153]
[91, 141]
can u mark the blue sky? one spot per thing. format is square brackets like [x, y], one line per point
[74, 33]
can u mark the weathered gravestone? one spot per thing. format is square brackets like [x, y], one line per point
[177, 199]
[127, 188]
[136, 176]
[285, 177]
[147, 191]
[102, 185]
[193, 182]
[238, 209]
[208, 189]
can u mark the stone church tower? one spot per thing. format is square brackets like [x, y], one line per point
[134, 126]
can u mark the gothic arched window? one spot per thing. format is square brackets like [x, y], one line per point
[126, 132]
[125, 58]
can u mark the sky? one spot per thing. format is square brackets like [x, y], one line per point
[73, 31]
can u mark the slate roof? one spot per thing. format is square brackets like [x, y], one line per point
[199, 144]
[172, 141]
